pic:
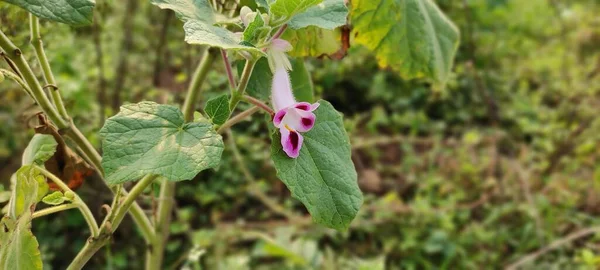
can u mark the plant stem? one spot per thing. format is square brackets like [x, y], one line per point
[121, 209]
[18, 80]
[195, 85]
[238, 118]
[110, 224]
[228, 70]
[154, 256]
[279, 32]
[36, 41]
[85, 210]
[237, 96]
[259, 103]
[88, 149]
[53, 209]
[17, 57]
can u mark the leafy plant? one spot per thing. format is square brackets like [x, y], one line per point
[149, 143]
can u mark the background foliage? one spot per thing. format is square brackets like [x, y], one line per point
[500, 163]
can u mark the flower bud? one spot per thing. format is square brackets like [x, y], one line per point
[70, 195]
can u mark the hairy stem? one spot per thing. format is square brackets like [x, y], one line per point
[244, 79]
[16, 56]
[36, 41]
[196, 83]
[53, 209]
[238, 118]
[228, 70]
[259, 104]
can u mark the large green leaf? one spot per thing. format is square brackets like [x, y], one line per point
[41, 148]
[289, 8]
[18, 247]
[149, 138]
[313, 41]
[188, 9]
[329, 15]
[412, 36]
[201, 33]
[323, 177]
[301, 81]
[72, 12]
[217, 109]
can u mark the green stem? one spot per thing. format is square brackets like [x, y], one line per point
[86, 147]
[123, 208]
[15, 54]
[244, 79]
[36, 41]
[238, 118]
[110, 224]
[196, 84]
[18, 80]
[85, 210]
[154, 256]
[53, 209]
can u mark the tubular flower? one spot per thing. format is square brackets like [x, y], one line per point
[291, 117]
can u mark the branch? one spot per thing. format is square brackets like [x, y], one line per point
[554, 245]
[238, 118]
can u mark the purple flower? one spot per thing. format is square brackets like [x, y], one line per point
[291, 117]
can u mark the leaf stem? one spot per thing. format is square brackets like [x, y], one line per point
[18, 80]
[154, 256]
[85, 210]
[53, 209]
[279, 32]
[244, 79]
[196, 84]
[238, 118]
[259, 104]
[228, 70]
[36, 41]
[15, 54]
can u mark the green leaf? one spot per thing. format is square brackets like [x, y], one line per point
[289, 8]
[217, 109]
[25, 192]
[412, 36]
[41, 148]
[149, 138]
[55, 198]
[259, 84]
[262, 3]
[313, 41]
[329, 15]
[323, 177]
[251, 32]
[18, 247]
[201, 33]
[72, 12]
[188, 9]
[301, 81]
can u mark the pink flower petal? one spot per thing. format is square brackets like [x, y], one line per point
[281, 45]
[291, 141]
[278, 118]
[281, 90]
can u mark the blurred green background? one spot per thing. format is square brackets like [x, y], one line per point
[501, 163]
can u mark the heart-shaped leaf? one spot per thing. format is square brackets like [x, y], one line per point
[149, 138]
